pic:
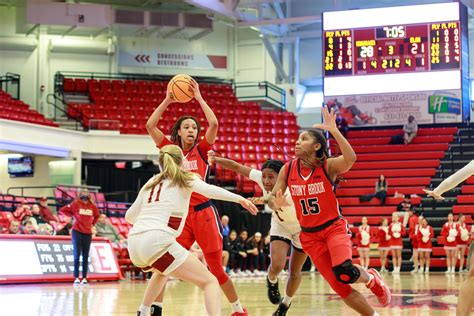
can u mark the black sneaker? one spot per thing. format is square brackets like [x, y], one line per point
[273, 292]
[281, 310]
[156, 310]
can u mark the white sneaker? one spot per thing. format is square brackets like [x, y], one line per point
[232, 274]
[420, 270]
[77, 281]
[427, 270]
[448, 271]
[414, 270]
[248, 272]
[453, 270]
[84, 282]
[241, 274]
[313, 269]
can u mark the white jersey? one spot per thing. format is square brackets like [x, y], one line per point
[164, 207]
[286, 214]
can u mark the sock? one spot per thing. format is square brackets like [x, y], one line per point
[287, 300]
[272, 281]
[237, 307]
[144, 310]
[376, 314]
[371, 277]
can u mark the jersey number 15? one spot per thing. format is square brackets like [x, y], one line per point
[310, 206]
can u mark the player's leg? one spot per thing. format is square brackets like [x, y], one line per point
[279, 248]
[466, 293]
[156, 284]
[193, 271]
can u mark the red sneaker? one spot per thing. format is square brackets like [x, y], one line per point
[245, 313]
[379, 288]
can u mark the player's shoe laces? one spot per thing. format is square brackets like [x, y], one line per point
[281, 310]
[245, 313]
[273, 292]
[156, 310]
[379, 288]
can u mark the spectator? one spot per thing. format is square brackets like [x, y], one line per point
[21, 211]
[243, 259]
[396, 231]
[46, 229]
[106, 230]
[363, 241]
[65, 231]
[29, 228]
[225, 225]
[266, 249]
[232, 245]
[381, 188]
[85, 215]
[46, 213]
[384, 244]
[404, 209]
[410, 129]
[255, 254]
[425, 234]
[14, 228]
[462, 240]
[35, 213]
[413, 236]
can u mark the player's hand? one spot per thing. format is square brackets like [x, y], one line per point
[257, 200]
[196, 91]
[329, 121]
[281, 199]
[249, 206]
[433, 195]
[211, 157]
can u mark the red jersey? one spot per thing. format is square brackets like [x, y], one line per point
[312, 193]
[412, 222]
[384, 237]
[46, 214]
[85, 215]
[450, 231]
[363, 239]
[424, 236]
[196, 162]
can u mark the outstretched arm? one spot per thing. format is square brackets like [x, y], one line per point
[344, 162]
[151, 124]
[277, 199]
[211, 133]
[452, 181]
[228, 164]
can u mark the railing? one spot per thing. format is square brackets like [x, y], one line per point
[10, 83]
[78, 121]
[91, 188]
[261, 90]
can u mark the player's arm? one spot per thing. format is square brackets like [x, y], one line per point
[211, 133]
[344, 162]
[229, 164]
[452, 181]
[135, 209]
[155, 117]
[277, 199]
[214, 192]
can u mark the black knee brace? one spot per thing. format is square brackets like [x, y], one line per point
[346, 272]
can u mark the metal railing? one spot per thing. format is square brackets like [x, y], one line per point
[79, 120]
[263, 90]
[10, 83]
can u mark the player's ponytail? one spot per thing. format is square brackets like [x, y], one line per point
[170, 160]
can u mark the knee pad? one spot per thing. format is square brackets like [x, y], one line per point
[346, 272]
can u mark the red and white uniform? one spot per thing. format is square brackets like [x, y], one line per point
[450, 232]
[463, 238]
[325, 236]
[284, 223]
[396, 231]
[158, 216]
[412, 233]
[363, 237]
[424, 235]
[203, 224]
[384, 238]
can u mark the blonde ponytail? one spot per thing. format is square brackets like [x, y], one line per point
[170, 160]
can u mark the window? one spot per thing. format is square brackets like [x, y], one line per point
[312, 99]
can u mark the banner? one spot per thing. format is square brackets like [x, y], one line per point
[161, 59]
[427, 107]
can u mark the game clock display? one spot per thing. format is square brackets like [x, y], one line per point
[393, 49]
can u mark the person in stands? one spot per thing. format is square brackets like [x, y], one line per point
[46, 213]
[410, 129]
[106, 230]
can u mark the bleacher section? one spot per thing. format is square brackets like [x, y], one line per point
[17, 110]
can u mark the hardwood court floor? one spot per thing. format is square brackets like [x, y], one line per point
[413, 295]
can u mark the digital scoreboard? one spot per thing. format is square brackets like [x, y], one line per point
[396, 49]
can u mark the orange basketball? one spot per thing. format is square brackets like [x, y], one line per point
[180, 86]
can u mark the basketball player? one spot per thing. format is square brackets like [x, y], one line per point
[203, 223]
[284, 232]
[158, 217]
[325, 235]
[466, 291]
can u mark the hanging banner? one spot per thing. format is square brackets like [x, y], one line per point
[427, 107]
[161, 59]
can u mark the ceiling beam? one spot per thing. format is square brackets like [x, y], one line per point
[276, 61]
[200, 35]
[225, 8]
[174, 32]
[298, 20]
[69, 30]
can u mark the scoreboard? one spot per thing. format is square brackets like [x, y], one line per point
[392, 49]
[395, 49]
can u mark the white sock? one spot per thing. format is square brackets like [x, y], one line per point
[237, 307]
[144, 310]
[371, 277]
[287, 300]
[376, 314]
[272, 281]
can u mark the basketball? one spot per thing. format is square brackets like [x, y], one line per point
[180, 86]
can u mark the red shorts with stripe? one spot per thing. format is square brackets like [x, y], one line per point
[329, 248]
[204, 227]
